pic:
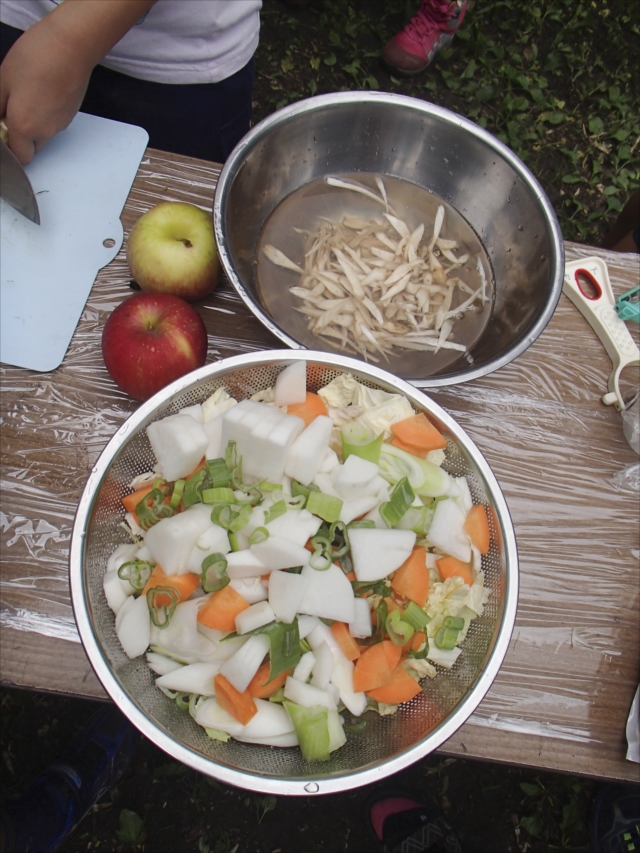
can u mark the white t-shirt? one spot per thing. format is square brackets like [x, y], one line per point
[176, 41]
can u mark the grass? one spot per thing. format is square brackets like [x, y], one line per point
[556, 81]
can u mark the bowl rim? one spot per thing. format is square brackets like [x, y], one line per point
[313, 783]
[237, 158]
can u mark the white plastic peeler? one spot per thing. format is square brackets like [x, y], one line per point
[587, 284]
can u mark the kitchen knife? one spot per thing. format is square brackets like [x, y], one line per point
[15, 187]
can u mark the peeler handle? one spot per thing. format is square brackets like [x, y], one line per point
[587, 285]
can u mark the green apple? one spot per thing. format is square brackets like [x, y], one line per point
[172, 249]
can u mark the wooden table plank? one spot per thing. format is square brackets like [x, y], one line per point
[561, 699]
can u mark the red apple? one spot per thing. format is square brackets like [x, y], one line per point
[150, 340]
[172, 249]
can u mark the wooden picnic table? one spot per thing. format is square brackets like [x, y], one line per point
[571, 481]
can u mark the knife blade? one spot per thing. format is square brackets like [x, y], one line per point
[15, 187]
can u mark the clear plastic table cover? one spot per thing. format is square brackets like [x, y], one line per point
[570, 479]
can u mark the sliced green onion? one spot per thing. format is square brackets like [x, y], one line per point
[216, 734]
[248, 495]
[362, 589]
[193, 488]
[236, 476]
[358, 440]
[230, 455]
[240, 519]
[456, 622]
[324, 506]
[176, 495]
[415, 616]
[194, 703]
[266, 486]
[363, 524]
[161, 611]
[137, 572]
[275, 511]
[235, 543]
[221, 515]
[214, 572]
[447, 636]
[399, 502]
[399, 631]
[219, 472]
[260, 534]
[151, 513]
[321, 559]
[181, 702]
[296, 502]
[298, 489]
[218, 495]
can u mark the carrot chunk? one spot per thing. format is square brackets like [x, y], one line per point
[347, 643]
[240, 705]
[372, 668]
[449, 567]
[476, 526]
[130, 502]
[184, 584]
[418, 431]
[260, 687]
[221, 609]
[401, 688]
[309, 410]
[411, 580]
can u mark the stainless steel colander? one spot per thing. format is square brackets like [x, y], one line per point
[386, 744]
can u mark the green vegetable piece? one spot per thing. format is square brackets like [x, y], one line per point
[415, 616]
[182, 701]
[151, 509]
[324, 506]
[214, 572]
[231, 456]
[399, 502]
[193, 489]
[418, 519]
[176, 495]
[446, 638]
[275, 511]
[399, 631]
[339, 538]
[260, 534]
[358, 440]
[216, 734]
[363, 524]
[218, 495]
[137, 572]
[284, 648]
[312, 729]
[219, 473]
[162, 602]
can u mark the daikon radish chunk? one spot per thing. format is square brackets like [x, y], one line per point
[329, 594]
[255, 616]
[181, 636]
[287, 740]
[212, 716]
[304, 667]
[286, 591]
[116, 590]
[179, 443]
[134, 626]
[352, 509]
[447, 530]
[306, 624]
[323, 667]
[269, 465]
[377, 553]
[122, 554]
[195, 411]
[291, 384]
[355, 477]
[323, 634]
[308, 451]
[240, 668]
[171, 540]
[231, 420]
[271, 721]
[160, 664]
[214, 540]
[213, 429]
[279, 553]
[296, 525]
[342, 678]
[193, 678]
[245, 564]
[259, 443]
[251, 589]
[224, 648]
[307, 695]
[361, 626]
[443, 657]
[329, 463]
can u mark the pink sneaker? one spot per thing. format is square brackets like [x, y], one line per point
[431, 28]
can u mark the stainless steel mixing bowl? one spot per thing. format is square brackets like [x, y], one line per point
[387, 744]
[405, 138]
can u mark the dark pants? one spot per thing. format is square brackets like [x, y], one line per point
[203, 120]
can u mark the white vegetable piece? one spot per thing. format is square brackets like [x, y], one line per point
[116, 590]
[213, 429]
[289, 739]
[160, 664]
[195, 411]
[181, 636]
[461, 493]
[214, 540]
[245, 564]
[212, 716]
[330, 462]
[308, 451]
[307, 695]
[296, 525]
[122, 554]
[355, 477]
[240, 668]
[291, 384]
[270, 721]
[306, 624]
[329, 594]
[447, 531]
[377, 553]
[286, 591]
[342, 678]
[179, 443]
[171, 540]
[193, 678]
[251, 589]
[255, 616]
[258, 441]
[224, 648]
[217, 404]
[443, 657]
[269, 465]
[323, 634]
[133, 626]
[323, 667]
[304, 667]
[361, 626]
[279, 553]
[231, 420]
[355, 508]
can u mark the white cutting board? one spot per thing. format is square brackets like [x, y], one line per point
[81, 178]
